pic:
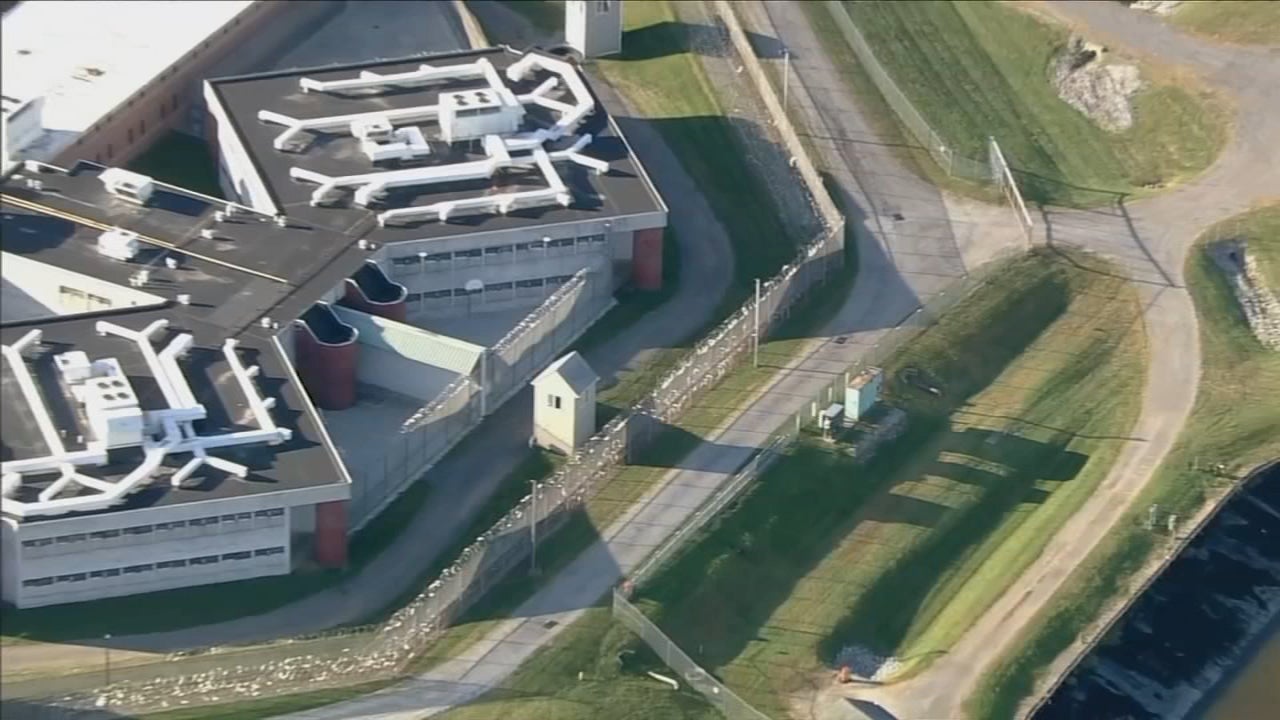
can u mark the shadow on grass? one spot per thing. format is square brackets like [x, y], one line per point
[673, 37]
[30, 710]
[718, 595]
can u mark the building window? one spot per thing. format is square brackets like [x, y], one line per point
[138, 530]
[73, 577]
[229, 518]
[38, 542]
[535, 282]
[38, 582]
[263, 552]
[135, 569]
[406, 261]
[243, 555]
[104, 534]
[204, 560]
[273, 512]
[553, 402]
[175, 525]
[65, 539]
[602, 6]
[112, 572]
[493, 287]
[169, 564]
[497, 250]
[244, 516]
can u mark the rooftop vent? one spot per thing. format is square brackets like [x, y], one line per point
[118, 244]
[130, 186]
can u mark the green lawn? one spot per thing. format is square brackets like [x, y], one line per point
[1246, 22]
[1235, 421]
[182, 160]
[975, 70]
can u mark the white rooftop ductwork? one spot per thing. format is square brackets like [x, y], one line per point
[492, 114]
[113, 414]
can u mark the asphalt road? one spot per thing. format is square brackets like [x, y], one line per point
[465, 479]
[897, 267]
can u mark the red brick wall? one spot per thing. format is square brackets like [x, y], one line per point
[330, 547]
[165, 103]
[328, 372]
[646, 259]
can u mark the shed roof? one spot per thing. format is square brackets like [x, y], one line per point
[573, 370]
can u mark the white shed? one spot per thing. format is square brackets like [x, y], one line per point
[594, 27]
[564, 404]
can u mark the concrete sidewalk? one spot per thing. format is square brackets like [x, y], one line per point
[465, 479]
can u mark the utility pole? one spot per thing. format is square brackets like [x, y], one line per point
[533, 527]
[106, 658]
[756, 352]
[786, 77]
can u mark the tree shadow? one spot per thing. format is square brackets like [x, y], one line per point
[36, 710]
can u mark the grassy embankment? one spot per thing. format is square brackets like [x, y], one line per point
[1237, 21]
[975, 70]
[1235, 421]
[662, 80]
[947, 516]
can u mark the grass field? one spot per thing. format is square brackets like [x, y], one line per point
[1042, 374]
[670, 78]
[1235, 421]
[1237, 21]
[975, 70]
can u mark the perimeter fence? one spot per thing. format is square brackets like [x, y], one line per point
[877, 351]
[991, 170]
[385, 652]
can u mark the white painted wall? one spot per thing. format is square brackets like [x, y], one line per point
[42, 285]
[236, 174]
[400, 374]
[567, 427]
[89, 554]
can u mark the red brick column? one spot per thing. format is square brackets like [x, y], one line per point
[646, 259]
[330, 546]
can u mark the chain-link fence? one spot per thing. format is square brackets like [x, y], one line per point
[781, 439]
[545, 332]
[384, 652]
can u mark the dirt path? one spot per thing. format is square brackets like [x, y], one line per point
[1151, 239]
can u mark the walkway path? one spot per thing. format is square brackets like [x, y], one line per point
[1151, 239]
[465, 479]
[897, 267]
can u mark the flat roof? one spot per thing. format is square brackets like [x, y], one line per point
[251, 269]
[623, 190]
[302, 462]
[86, 57]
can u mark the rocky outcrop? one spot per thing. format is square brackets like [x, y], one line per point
[1260, 305]
[1101, 90]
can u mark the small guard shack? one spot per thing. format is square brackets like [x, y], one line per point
[564, 404]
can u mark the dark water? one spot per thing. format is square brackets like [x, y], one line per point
[1183, 642]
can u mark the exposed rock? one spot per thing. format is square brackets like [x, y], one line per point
[868, 665]
[1259, 303]
[1158, 7]
[1102, 91]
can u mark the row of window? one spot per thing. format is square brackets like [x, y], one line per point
[406, 262]
[491, 287]
[150, 567]
[156, 527]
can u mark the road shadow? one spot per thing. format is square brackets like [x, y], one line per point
[36, 710]
[674, 37]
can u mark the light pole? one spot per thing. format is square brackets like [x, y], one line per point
[756, 350]
[533, 527]
[786, 76]
[106, 658]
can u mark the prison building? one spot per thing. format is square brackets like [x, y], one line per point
[199, 390]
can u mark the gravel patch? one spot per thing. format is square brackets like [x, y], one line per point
[1102, 91]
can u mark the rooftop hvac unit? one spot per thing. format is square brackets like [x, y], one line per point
[471, 114]
[377, 129]
[113, 411]
[130, 186]
[405, 143]
[74, 366]
[118, 244]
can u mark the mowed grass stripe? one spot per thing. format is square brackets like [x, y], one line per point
[1234, 422]
[903, 554]
[975, 70]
